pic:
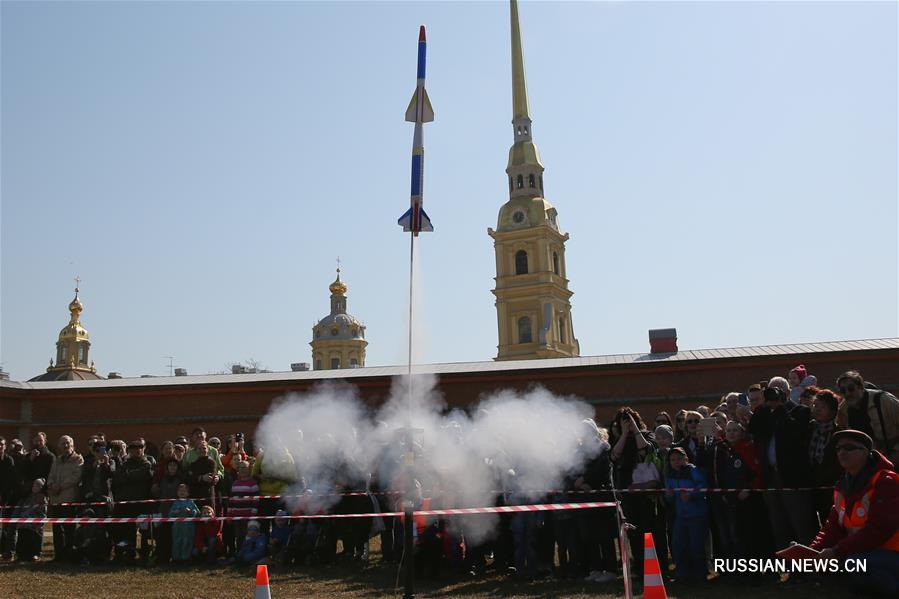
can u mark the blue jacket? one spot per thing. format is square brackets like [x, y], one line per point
[253, 548]
[689, 477]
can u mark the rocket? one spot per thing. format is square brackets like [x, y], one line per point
[415, 220]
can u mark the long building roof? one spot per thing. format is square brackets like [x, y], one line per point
[476, 367]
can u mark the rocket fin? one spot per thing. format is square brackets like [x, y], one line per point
[426, 226]
[410, 111]
[427, 112]
[405, 221]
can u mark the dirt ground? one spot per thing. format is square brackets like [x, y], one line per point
[47, 579]
[350, 579]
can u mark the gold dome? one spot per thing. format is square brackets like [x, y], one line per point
[76, 307]
[338, 287]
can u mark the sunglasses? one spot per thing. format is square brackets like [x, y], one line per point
[661, 421]
[850, 388]
[840, 448]
[692, 422]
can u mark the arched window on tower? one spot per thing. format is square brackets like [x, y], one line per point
[520, 181]
[562, 330]
[521, 262]
[556, 263]
[524, 330]
[531, 181]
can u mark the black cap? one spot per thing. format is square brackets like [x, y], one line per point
[853, 435]
[774, 394]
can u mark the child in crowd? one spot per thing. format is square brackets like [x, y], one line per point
[31, 536]
[168, 484]
[800, 380]
[208, 538]
[280, 535]
[243, 502]
[92, 544]
[254, 545]
[691, 518]
[183, 532]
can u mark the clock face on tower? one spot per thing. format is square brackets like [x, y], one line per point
[518, 217]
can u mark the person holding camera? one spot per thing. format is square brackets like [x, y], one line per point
[131, 481]
[781, 432]
[236, 454]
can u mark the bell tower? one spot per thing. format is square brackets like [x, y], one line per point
[533, 302]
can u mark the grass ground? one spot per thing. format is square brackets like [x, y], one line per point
[50, 580]
[346, 579]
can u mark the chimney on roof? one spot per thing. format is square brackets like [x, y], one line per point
[299, 366]
[181, 372]
[663, 341]
[4, 376]
[114, 375]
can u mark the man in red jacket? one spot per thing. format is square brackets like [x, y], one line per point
[864, 520]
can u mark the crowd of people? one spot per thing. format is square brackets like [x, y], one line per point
[784, 462]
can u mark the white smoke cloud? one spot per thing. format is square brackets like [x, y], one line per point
[518, 443]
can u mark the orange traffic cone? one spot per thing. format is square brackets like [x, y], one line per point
[653, 585]
[262, 588]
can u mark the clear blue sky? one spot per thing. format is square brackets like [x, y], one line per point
[729, 169]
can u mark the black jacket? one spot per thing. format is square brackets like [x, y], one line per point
[38, 467]
[132, 480]
[9, 481]
[789, 426]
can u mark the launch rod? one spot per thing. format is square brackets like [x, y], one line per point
[411, 274]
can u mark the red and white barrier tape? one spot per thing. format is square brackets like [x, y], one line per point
[243, 498]
[546, 507]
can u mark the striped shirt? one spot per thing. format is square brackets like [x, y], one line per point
[238, 506]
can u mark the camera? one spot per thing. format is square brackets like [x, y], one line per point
[238, 437]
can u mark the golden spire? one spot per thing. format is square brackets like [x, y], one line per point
[525, 169]
[338, 287]
[520, 108]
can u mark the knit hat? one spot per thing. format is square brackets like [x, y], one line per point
[253, 524]
[665, 430]
[801, 372]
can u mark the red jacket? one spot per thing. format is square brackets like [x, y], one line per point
[883, 517]
[207, 530]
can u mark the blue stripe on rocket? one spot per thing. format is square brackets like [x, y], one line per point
[415, 220]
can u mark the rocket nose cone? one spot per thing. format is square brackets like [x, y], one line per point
[421, 34]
